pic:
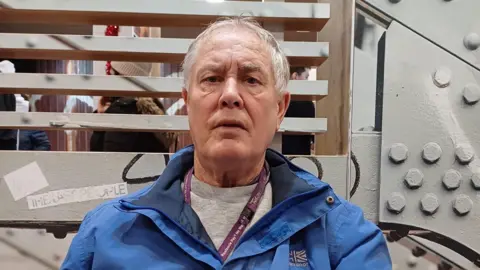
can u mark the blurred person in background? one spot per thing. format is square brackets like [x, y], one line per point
[143, 142]
[8, 137]
[299, 144]
[35, 140]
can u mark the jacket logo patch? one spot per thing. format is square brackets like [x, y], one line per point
[298, 258]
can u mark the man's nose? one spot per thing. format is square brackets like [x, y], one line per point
[231, 96]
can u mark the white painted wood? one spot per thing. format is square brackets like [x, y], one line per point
[61, 84]
[172, 50]
[301, 16]
[128, 122]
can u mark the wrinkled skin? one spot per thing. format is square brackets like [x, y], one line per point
[233, 107]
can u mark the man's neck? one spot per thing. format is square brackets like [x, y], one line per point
[221, 176]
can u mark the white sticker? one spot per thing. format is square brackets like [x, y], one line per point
[25, 181]
[72, 195]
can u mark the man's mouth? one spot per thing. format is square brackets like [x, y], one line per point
[230, 124]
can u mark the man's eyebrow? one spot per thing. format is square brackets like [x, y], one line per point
[249, 68]
[210, 67]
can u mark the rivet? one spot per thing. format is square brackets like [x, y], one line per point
[476, 180]
[31, 42]
[414, 178]
[429, 204]
[451, 179]
[464, 154]
[49, 78]
[56, 257]
[412, 261]
[462, 204]
[471, 93]
[86, 77]
[330, 200]
[87, 37]
[472, 41]
[398, 153]
[395, 1]
[431, 152]
[442, 77]
[26, 118]
[396, 203]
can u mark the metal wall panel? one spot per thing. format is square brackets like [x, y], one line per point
[450, 24]
[430, 139]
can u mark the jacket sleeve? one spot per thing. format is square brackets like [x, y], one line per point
[80, 252]
[357, 243]
[40, 141]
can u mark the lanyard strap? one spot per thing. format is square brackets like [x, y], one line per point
[245, 217]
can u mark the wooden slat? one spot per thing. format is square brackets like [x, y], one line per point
[127, 122]
[161, 12]
[338, 71]
[61, 84]
[170, 50]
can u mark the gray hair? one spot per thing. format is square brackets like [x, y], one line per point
[280, 63]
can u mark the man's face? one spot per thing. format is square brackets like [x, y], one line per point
[233, 107]
[301, 76]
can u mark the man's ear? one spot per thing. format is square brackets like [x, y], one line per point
[283, 103]
[185, 95]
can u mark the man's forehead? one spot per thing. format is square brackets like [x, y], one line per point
[242, 66]
[235, 39]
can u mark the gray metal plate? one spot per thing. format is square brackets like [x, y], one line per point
[64, 170]
[366, 148]
[417, 112]
[446, 23]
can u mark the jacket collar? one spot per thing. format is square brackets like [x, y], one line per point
[166, 193]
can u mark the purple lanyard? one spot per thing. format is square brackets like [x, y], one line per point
[245, 217]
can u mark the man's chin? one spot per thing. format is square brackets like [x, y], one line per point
[229, 150]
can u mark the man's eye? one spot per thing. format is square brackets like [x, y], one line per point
[212, 79]
[251, 80]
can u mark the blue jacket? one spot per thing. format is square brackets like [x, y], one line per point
[155, 229]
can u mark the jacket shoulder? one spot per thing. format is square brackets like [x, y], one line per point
[110, 209]
[100, 220]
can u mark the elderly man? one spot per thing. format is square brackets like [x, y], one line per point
[227, 202]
